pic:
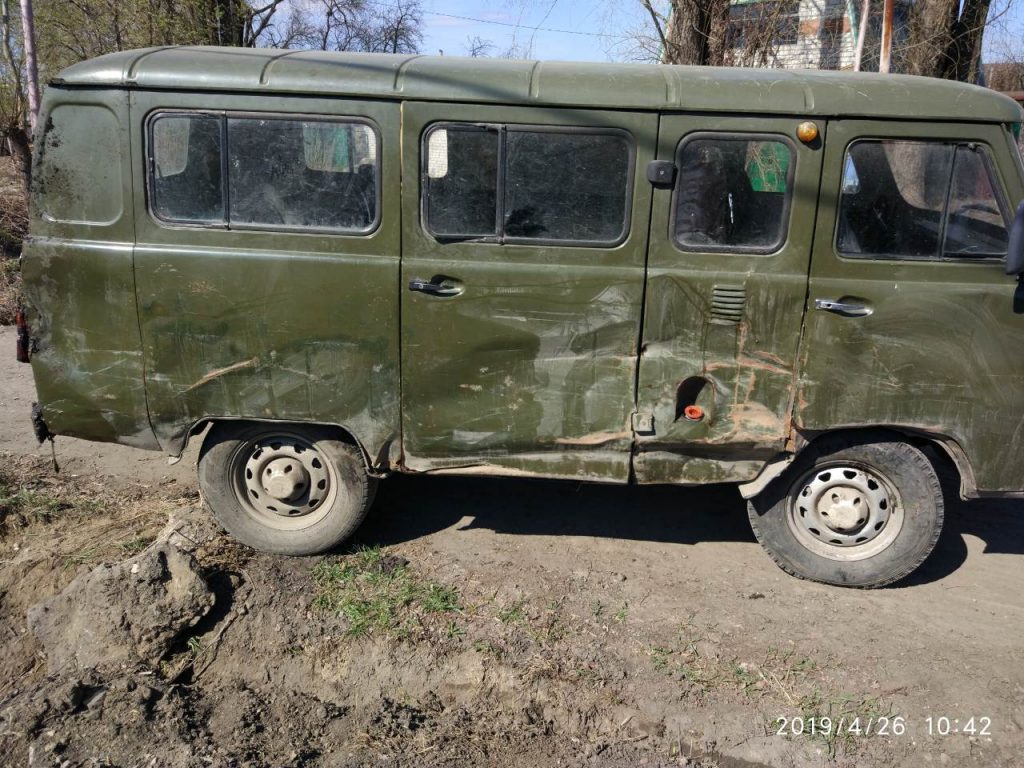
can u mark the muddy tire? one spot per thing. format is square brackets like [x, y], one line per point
[851, 511]
[292, 490]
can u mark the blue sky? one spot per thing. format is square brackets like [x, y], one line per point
[603, 24]
[450, 34]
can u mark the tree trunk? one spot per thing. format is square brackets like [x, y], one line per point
[945, 38]
[964, 52]
[31, 66]
[696, 32]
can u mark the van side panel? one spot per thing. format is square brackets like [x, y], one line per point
[77, 268]
[941, 351]
[722, 320]
[263, 324]
[530, 369]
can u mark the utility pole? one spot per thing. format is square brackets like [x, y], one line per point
[28, 29]
[885, 61]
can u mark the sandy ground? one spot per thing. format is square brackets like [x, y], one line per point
[662, 586]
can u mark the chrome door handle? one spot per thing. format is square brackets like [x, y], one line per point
[842, 308]
[437, 286]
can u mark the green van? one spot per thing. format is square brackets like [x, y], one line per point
[338, 266]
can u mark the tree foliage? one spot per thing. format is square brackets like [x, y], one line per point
[347, 25]
[69, 31]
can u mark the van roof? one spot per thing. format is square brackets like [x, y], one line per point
[577, 84]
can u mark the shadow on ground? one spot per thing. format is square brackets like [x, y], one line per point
[410, 507]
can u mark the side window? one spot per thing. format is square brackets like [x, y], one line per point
[975, 226]
[732, 193]
[521, 184]
[186, 169]
[566, 186]
[919, 200]
[461, 185]
[317, 175]
[284, 173]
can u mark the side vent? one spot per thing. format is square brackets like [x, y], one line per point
[727, 303]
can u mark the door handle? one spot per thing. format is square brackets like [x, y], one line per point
[843, 308]
[443, 287]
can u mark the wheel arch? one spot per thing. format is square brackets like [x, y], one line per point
[375, 467]
[942, 450]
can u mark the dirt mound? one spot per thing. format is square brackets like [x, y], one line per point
[127, 613]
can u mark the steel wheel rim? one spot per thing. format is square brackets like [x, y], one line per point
[284, 481]
[845, 511]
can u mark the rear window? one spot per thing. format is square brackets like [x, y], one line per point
[732, 193]
[920, 200]
[526, 184]
[267, 172]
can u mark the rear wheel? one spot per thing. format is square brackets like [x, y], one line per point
[851, 511]
[284, 488]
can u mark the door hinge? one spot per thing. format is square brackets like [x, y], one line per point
[643, 423]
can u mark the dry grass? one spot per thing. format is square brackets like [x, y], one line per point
[82, 520]
[10, 289]
[13, 229]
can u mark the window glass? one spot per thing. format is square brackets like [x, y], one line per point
[315, 174]
[78, 174]
[732, 194]
[975, 226]
[461, 187]
[566, 186]
[918, 200]
[187, 168]
[554, 185]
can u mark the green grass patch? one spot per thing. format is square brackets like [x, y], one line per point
[379, 593]
[513, 613]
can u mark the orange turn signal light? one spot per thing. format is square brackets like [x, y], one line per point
[693, 413]
[807, 132]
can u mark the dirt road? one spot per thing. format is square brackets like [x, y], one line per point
[679, 639]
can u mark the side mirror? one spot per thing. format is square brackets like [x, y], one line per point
[1015, 250]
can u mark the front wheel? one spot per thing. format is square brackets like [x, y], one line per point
[856, 512]
[290, 489]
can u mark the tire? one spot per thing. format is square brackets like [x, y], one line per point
[853, 511]
[288, 489]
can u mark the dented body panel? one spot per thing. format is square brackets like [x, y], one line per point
[533, 366]
[728, 323]
[270, 325]
[78, 275]
[636, 359]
